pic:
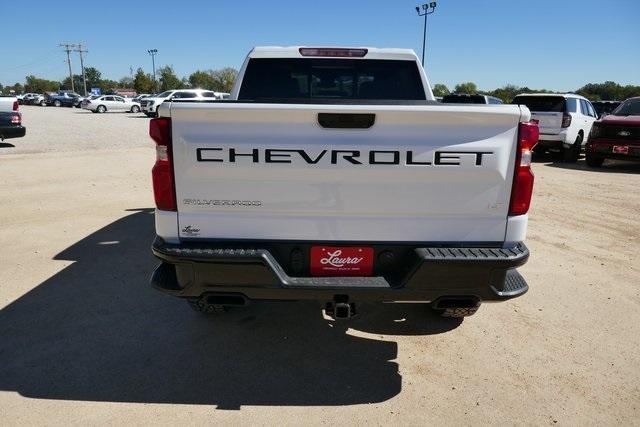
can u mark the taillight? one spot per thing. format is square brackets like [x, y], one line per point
[595, 130]
[164, 189]
[16, 119]
[15, 105]
[333, 51]
[522, 188]
[566, 120]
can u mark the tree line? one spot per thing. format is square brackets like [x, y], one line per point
[607, 91]
[220, 80]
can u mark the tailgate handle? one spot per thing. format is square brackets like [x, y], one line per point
[346, 121]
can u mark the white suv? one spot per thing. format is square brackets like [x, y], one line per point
[150, 104]
[565, 121]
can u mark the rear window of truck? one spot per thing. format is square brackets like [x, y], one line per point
[311, 78]
[552, 104]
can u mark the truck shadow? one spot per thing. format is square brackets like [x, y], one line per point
[96, 331]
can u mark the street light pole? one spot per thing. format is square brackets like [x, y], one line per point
[425, 10]
[153, 53]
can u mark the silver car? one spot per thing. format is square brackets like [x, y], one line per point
[104, 103]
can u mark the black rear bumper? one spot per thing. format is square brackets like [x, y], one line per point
[12, 131]
[426, 274]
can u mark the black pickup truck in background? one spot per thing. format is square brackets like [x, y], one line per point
[11, 125]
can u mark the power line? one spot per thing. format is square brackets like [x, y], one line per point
[81, 49]
[68, 47]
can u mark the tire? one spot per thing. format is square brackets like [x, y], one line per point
[57, 103]
[572, 154]
[538, 153]
[135, 109]
[593, 160]
[43, 103]
[101, 109]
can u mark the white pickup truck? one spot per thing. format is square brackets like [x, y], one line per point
[332, 174]
[8, 104]
[10, 118]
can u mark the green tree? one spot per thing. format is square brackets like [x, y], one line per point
[17, 88]
[202, 80]
[440, 90]
[77, 82]
[507, 93]
[143, 82]
[168, 78]
[126, 82]
[608, 91]
[108, 86]
[224, 79]
[468, 87]
[93, 76]
[38, 85]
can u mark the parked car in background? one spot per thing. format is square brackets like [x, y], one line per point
[150, 104]
[11, 125]
[465, 98]
[27, 98]
[63, 99]
[565, 122]
[139, 97]
[104, 103]
[605, 107]
[616, 136]
[40, 100]
[8, 103]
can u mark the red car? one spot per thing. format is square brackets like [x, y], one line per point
[616, 136]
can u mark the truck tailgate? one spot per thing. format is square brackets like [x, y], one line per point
[549, 122]
[426, 173]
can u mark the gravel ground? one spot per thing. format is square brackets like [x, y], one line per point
[84, 340]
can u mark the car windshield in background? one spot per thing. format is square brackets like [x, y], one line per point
[553, 104]
[164, 94]
[628, 108]
[310, 78]
[463, 99]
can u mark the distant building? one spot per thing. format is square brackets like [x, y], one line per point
[125, 92]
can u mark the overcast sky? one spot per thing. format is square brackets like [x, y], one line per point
[552, 44]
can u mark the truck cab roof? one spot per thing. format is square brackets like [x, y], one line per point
[307, 51]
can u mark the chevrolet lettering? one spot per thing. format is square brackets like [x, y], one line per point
[347, 157]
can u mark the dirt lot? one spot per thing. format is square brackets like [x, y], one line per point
[84, 340]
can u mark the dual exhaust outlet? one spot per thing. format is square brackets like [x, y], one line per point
[340, 308]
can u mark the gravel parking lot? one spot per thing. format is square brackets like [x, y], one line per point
[85, 340]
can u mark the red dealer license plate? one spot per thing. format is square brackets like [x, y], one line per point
[341, 261]
[621, 149]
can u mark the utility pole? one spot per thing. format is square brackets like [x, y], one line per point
[425, 10]
[68, 47]
[81, 49]
[153, 53]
